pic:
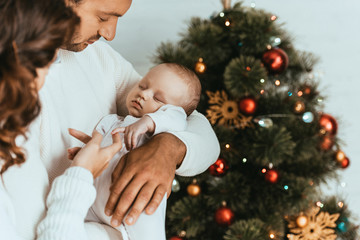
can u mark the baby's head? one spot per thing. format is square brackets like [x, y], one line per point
[167, 83]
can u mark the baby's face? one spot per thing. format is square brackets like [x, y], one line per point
[160, 86]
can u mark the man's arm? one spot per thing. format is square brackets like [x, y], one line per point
[146, 173]
[202, 145]
[142, 178]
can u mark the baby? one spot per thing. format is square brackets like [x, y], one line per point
[160, 102]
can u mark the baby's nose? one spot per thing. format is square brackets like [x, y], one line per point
[144, 95]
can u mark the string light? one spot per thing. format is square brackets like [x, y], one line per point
[227, 23]
[262, 91]
[227, 146]
[322, 131]
[248, 68]
[273, 18]
[300, 93]
[277, 41]
[253, 4]
[182, 233]
[222, 14]
[319, 204]
[263, 170]
[286, 187]
[272, 236]
[308, 117]
[277, 82]
[244, 160]
[340, 204]
[262, 80]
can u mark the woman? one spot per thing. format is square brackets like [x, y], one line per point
[31, 31]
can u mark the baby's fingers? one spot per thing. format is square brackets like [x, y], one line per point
[127, 139]
[118, 130]
[134, 138]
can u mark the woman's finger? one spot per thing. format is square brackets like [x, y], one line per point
[97, 137]
[72, 152]
[118, 130]
[83, 137]
[115, 146]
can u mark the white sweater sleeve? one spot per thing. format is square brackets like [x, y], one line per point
[7, 216]
[169, 118]
[202, 146]
[70, 198]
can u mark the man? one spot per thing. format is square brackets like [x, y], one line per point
[90, 80]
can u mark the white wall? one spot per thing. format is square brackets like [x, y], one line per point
[328, 28]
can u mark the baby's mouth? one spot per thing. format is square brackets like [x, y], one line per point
[136, 104]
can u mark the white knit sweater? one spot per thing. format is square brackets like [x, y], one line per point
[79, 90]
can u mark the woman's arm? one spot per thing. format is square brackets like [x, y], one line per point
[70, 198]
[7, 216]
[73, 192]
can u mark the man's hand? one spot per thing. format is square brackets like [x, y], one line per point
[142, 178]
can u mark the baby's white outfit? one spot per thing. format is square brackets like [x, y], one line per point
[168, 118]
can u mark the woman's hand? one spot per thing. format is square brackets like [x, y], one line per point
[92, 156]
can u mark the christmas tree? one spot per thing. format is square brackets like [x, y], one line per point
[277, 146]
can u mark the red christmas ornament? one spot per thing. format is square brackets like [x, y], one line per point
[247, 105]
[326, 143]
[219, 168]
[272, 176]
[345, 162]
[176, 238]
[328, 123]
[275, 60]
[224, 216]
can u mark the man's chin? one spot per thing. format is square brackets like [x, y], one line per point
[75, 47]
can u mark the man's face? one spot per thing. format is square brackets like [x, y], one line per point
[98, 19]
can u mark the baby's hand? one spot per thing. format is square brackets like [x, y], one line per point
[133, 131]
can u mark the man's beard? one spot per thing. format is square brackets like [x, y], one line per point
[75, 47]
[78, 47]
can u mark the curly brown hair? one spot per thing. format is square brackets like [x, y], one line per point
[31, 32]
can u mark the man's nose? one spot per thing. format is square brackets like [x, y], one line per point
[108, 29]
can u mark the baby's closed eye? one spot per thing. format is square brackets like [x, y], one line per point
[158, 99]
